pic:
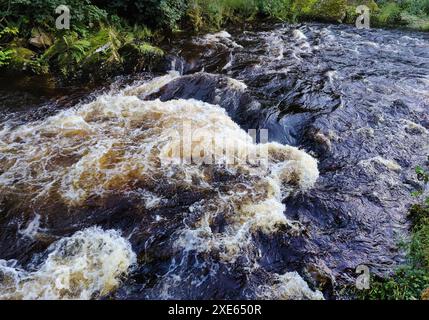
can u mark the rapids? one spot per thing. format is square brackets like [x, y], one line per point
[108, 180]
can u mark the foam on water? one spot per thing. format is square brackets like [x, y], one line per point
[390, 164]
[221, 38]
[289, 286]
[119, 144]
[117, 139]
[87, 265]
[148, 87]
[32, 228]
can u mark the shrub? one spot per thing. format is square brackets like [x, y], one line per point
[330, 10]
[279, 9]
[351, 9]
[153, 13]
[417, 7]
[389, 15]
[70, 52]
[26, 14]
[213, 14]
[303, 8]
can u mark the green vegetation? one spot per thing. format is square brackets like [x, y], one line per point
[410, 281]
[409, 13]
[98, 44]
[112, 36]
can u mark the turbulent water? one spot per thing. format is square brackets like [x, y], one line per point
[106, 198]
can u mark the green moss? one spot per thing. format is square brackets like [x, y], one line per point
[150, 50]
[21, 58]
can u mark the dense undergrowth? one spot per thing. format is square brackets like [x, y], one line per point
[112, 36]
[411, 280]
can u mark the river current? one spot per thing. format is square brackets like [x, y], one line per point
[97, 199]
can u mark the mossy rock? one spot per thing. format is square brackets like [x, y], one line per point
[24, 60]
[22, 53]
[330, 10]
[40, 39]
[21, 59]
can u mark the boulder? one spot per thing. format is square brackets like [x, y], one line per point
[425, 294]
[21, 58]
[40, 39]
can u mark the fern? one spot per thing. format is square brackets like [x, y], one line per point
[5, 57]
[68, 51]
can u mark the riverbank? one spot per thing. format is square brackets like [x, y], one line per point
[108, 38]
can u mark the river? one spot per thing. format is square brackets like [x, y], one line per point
[98, 201]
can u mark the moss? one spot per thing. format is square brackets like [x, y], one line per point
[21, 59]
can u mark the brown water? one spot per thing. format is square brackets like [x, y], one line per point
[92, 181]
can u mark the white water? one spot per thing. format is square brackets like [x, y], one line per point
[109, 145]
[87, 265]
